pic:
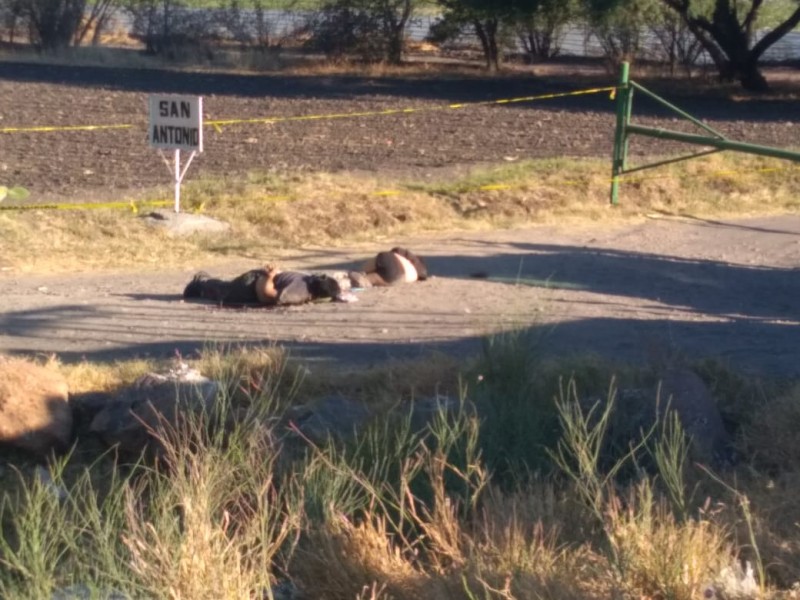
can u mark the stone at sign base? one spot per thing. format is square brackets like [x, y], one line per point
[181, 224]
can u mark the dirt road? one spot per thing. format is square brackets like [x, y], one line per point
[724, 289]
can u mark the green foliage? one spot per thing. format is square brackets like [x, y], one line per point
[13, 193]
[389, 463]
[519, 416]
[726, 29]
[372, 30]
[541, 28]
[676, 44]
[516, 391]
[31, 547]
[670, 451]
[54, 25]
[620, 26]
[487, 18]
[579, 453]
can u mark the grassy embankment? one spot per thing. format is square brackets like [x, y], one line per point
[539, 498]
[271, 212]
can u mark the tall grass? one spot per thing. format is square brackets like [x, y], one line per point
[241, 501]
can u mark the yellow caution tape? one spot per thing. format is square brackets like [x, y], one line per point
[217, 124]
[398, 111]
[720, 173]
[134, 206]
[48, 129]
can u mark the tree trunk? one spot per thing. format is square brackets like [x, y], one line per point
[751, 78]
[395, 17]
[55, 22]
[394, 50]
[729, 41]
[487, 33]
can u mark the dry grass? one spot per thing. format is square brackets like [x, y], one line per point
[230, 532]
[660, 555]
[89, 377]
[271, 212]
[399, 515]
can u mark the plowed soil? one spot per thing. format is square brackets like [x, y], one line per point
[107, 163]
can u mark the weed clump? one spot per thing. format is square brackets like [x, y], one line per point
[522, 485]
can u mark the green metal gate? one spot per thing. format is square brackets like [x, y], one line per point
[624, 128]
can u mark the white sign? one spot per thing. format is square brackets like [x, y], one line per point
[176, 122]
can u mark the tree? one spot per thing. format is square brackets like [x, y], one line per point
[728, 33]
[541, 29]
[95, 21]
[373, 29]
[54, 23]
[676, 45]
[170, 28]
[12, 14]
[394, 15]
[619, 26]
[57, 24]
[485, 17]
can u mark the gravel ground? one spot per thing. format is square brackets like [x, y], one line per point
[695, 288]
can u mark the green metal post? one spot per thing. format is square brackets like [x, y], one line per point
[714, 142]
[624, 103]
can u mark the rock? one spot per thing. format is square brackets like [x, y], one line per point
[332, 417]
[129, 419]
[283, 590]
[35, 414]
[85, 406]
[425, 410]
[684, 392]
[339, 418]
[183, 224]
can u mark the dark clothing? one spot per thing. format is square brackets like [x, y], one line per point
[296, 287]
[391, 269]
[293, 287]
[240, 290]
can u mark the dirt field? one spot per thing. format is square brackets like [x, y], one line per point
[724, 289]
[106, 164]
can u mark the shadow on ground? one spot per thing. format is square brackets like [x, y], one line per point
[616, 303]
[450, 88]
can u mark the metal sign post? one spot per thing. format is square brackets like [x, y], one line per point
[176, 123]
